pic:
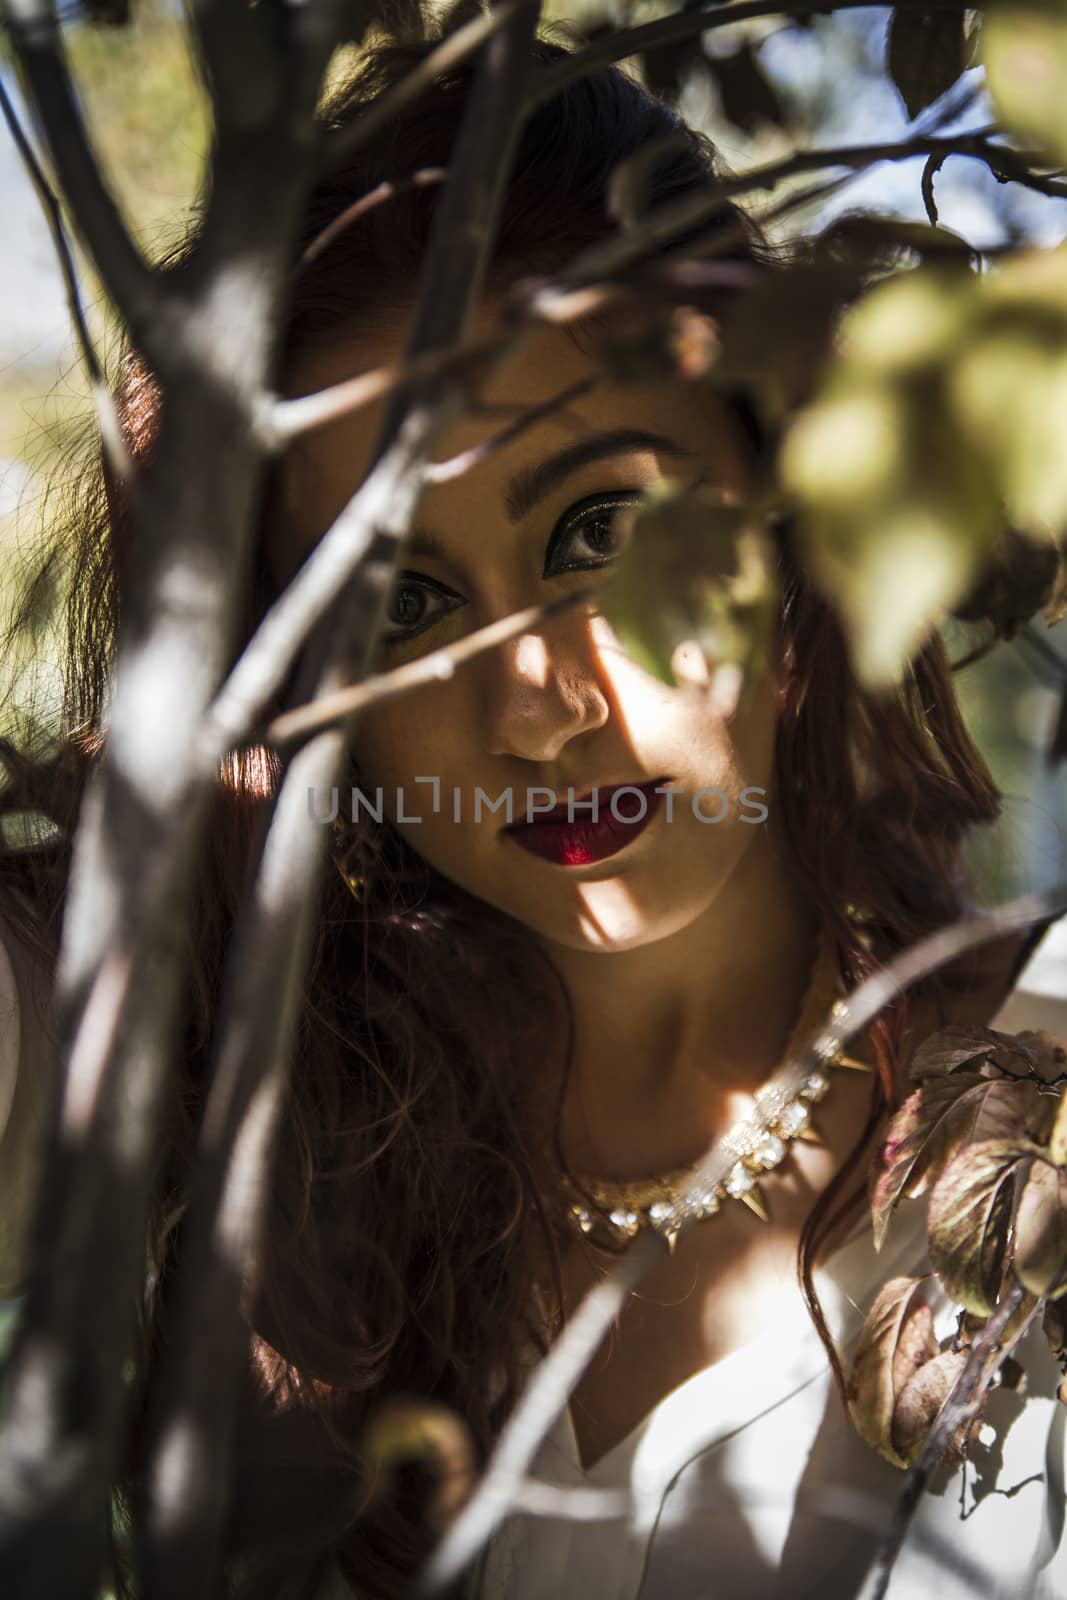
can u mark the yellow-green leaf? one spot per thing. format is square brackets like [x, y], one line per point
[1040, 1245]
[1057, 1145]
[1024, 45]
[692, 568]
[911, 322]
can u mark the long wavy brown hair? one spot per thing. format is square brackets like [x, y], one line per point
[407, 1207]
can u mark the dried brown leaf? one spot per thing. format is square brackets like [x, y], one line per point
[947, 1112]
[969, 1216]
[921, 1399]
[959, 1044]
[871, 1392]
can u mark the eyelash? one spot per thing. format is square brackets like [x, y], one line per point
[583, 512]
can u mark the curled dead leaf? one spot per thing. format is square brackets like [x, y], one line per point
[920, 1400]
[895, 1338]
[969, 1218]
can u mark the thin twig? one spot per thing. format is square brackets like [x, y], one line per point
[546, 1395]
[294, 727]
[960, 1405]
[340, 145]
[134, 289]
[556, 1375]
[385, 190]
[291, 417]
[678, 216]
[933, 166]
[682, 25]
[103, 401]
[467, 460]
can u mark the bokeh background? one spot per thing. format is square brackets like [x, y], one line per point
[773, 84]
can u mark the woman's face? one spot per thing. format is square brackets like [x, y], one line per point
[563, 706]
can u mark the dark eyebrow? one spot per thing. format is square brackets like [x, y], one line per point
[532, 484]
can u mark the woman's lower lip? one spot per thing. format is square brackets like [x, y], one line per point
[581, 842]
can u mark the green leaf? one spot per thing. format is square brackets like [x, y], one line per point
[910, 323]
[1040, 1245]
[402, 1431]
[894, 574]
[668, 68]
[777, 336]
[925, 53]
[749, 99]
[692, 568]
[1024, 45]
[1021, 578]
[871, 1394]
[969, 1216]
[1008, 392]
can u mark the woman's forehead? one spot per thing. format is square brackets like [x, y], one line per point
[324, 467]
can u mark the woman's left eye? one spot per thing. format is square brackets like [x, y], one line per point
[591, 521]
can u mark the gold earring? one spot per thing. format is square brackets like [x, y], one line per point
[353, 855]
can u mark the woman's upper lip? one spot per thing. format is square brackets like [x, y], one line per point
[604, 790]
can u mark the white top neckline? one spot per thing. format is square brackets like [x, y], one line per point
[705, 1408]
[764, 1370]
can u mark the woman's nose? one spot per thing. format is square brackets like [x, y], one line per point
[540, 693]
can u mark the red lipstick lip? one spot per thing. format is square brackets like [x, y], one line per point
[559, 813]
[583, 842]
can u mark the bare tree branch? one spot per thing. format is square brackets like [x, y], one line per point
[130, 283]
[103, 401]
[961, 1404]
[456, 48]
[675, 217]
[120, 977]
[682, 25]
[359, 208]
[274, 930]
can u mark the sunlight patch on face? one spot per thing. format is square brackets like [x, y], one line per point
[532, 659]
[609, 914]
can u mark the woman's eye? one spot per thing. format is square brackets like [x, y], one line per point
[591, 525]
[408, 606]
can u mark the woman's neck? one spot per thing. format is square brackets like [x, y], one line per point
[673, 1037]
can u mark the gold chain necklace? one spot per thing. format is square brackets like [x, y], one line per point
[614, 1210]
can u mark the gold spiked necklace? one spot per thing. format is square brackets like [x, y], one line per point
[609, 1210]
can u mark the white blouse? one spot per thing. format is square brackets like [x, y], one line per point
[748, 1481]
